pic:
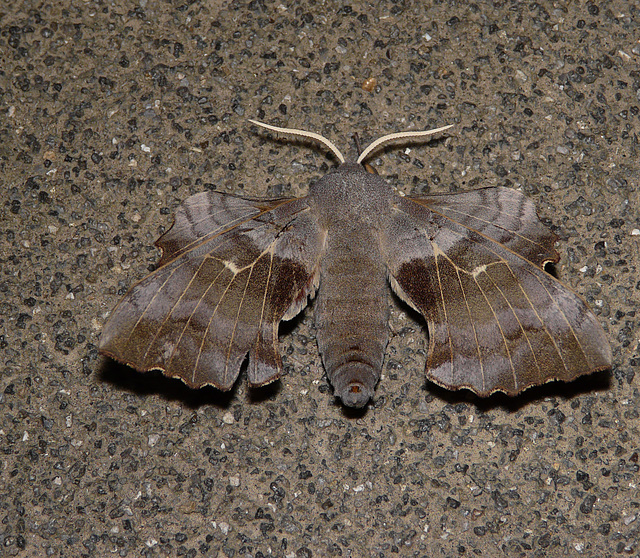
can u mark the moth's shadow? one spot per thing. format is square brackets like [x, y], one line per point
[551, 269]
[351, 413]
[125, 378]
[598, 381]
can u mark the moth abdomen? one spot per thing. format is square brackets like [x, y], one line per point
[351, 317]
[354, 382]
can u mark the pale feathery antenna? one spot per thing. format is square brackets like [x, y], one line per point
[411, 136]
[302, 133]
[399, 136]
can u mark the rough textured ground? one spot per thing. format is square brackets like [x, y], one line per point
[111, 113]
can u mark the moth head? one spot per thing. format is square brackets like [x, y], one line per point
[404, 136]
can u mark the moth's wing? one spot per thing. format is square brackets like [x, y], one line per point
[472, 265]
[231, 270]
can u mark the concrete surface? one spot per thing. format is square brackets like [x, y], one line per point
[112, 113]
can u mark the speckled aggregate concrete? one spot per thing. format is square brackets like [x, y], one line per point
[112, 113]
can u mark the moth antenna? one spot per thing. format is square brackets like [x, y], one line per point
[356, 139]
[399, 135]
[367, 166]
[304, 134]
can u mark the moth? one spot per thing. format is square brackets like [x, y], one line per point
[471, 263]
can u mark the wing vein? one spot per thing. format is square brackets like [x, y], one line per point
[235, 321]
[486, 222]
[473, 325]
[570, 327]
[504, 339]
[215, 310]
[264, 297]
[522, 329]
[173, 306]
[235, 223]
[186, 325]
[153, 298]
[437, 251]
